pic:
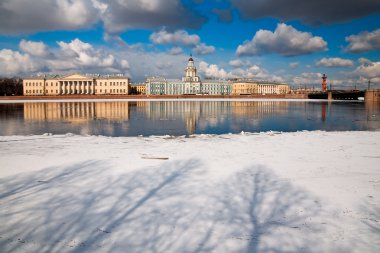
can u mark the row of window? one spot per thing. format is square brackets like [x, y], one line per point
[56, 92]
[33, 91]
[112, 91]
[33, 84]
[56, 84]
[113, 83]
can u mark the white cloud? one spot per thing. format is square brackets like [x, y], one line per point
[285, 40]
[83, 54]
[294, 65]
[251, 71]
[179, 38]
[34, 48]
[363, 42]
[334, 62]
[368, 70]
[212, 70]
[203, 49]
[72, 56]
[237, 63]
[307, 78]
[14, 63]
[175, 51]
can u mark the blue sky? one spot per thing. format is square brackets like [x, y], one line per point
[293, 41]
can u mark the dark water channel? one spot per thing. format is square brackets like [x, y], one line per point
[121, 118]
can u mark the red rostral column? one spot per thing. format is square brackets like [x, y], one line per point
[324, 83]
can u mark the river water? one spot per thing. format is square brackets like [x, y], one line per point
[123, 118]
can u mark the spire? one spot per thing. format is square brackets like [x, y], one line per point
[191, 57]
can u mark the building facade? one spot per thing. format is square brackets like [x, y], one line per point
[259, 87]
[189, 84]
[76, 85]
[192, 84]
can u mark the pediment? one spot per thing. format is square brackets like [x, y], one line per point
[76, 77]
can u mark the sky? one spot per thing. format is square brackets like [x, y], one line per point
[292, 41]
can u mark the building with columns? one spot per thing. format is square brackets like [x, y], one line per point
[76, 85]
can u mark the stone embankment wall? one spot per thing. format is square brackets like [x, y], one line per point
[81, 97]
[372, 96]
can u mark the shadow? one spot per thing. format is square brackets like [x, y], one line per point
[170, 207]
[369, 218]
[265, 213]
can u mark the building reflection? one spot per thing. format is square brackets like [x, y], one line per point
[76, 111]
[210, 113]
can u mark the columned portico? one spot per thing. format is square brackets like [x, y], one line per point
[75, 85]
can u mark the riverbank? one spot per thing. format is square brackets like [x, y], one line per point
[281, 192]
[158, 97]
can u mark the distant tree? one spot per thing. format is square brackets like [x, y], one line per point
[133, 90]
[11, 87]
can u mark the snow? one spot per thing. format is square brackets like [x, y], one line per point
[266, 192]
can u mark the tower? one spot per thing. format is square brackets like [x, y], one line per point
[190, 71]
[324, 83]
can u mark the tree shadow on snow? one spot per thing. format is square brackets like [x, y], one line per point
[171, 207]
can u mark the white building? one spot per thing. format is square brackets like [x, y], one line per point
[190, 84]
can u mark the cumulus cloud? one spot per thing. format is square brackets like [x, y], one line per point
[334, 62]
[294, 65]
[237, 63]
[251, 71]
[14, 63]
[69, 56]
[34, 48]
[25, 16]
[203, 49]
[179, 37]
[368, 70]
[285, 40]
[175, 51]
[83, 54]
[363, 42]
[211, 70]
[307, 78]
[313, 12]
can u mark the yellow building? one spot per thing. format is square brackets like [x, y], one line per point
[272, 88]
[258, 87]
[76, 85]
[141, 89]
[244, 88]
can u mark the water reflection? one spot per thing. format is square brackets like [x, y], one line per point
[117, 118]
[76, 111]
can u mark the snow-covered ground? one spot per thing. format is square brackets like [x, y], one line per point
[267, 192]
